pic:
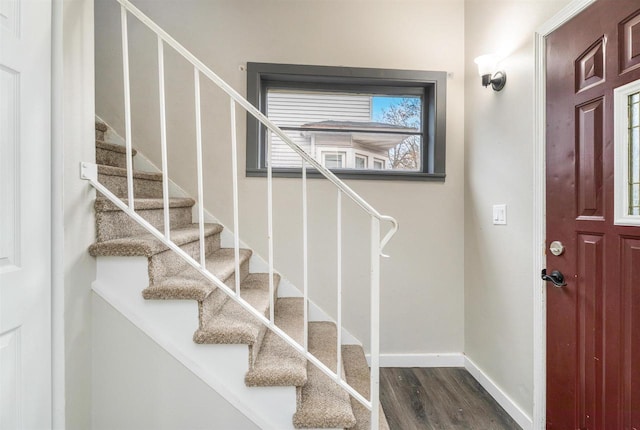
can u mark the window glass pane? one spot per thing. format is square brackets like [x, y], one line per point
[386, 127]
[634, 154]
[333, 161]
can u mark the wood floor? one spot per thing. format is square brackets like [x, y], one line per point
[439, 398]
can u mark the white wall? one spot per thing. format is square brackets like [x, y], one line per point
[73, 222]
[422, 292]
[498, 167]
[137, 385]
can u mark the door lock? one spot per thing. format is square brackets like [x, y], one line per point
[556, 248]
[556, 278]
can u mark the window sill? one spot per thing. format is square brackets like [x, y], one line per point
[362, 175]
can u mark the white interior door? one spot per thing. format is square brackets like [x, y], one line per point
[25, 214]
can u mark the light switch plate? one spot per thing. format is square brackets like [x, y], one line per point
[500, 214]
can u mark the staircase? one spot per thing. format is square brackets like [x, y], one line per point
[319, 401]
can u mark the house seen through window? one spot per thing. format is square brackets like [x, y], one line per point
[347, 130]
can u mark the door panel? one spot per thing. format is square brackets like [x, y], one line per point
[589, 150]
[593, 323]
[631, 331]
[25, 214]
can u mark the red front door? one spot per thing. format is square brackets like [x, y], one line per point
[593, 323]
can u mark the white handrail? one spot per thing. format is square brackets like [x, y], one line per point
[263, 119]
[377, 244]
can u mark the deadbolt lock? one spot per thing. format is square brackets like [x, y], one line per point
[556, 248]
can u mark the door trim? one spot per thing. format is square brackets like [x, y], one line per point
[58, 387]
[539, 209]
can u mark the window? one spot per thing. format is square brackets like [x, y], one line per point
[333, 160]
[361, 162]
[627, 154]
[368, 123]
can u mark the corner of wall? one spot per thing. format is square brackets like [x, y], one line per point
[75, 131]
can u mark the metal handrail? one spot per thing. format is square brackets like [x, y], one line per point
[89, 172]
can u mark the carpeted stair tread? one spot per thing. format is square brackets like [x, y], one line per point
[102, 204]
[233, 324]
[357, 372]
[101, 126]
[147, 245]
[190, 284]
[119, 171]
[107, 146]
[322, 402]
[277, 363]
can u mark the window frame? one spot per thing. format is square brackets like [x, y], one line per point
[341, 154]
[621, 150]
[431, 85]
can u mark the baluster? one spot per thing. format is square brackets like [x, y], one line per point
[375, 322]
[339, 319]
[270, 228]
[196, 79]
[305, 256]
[236, 222]
[163, 141]
[127, 105]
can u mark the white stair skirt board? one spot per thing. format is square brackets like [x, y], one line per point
[171, 325]
[500, 396]
[453, 359]
[138, 385]
[257, 264]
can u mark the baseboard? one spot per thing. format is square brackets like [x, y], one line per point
[455, 359]
[500, 396]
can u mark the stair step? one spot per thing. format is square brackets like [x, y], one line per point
[112, 223]
[101, 126]
[232, 324]
[191, 285]
[277, 363]
[162, 261]
[323, 403]
[110, 154]
[100, 129]
[358, 375]
[145, 184]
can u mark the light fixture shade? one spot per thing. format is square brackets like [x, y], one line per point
[487, 64]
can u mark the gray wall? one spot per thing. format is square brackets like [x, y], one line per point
[422, 292]
[499, 169]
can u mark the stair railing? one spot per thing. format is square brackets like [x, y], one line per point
[89, 172]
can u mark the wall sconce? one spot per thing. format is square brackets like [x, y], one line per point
[487, 65]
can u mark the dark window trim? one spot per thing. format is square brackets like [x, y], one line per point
[261, 76]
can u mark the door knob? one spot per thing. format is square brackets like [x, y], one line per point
[556, 278]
